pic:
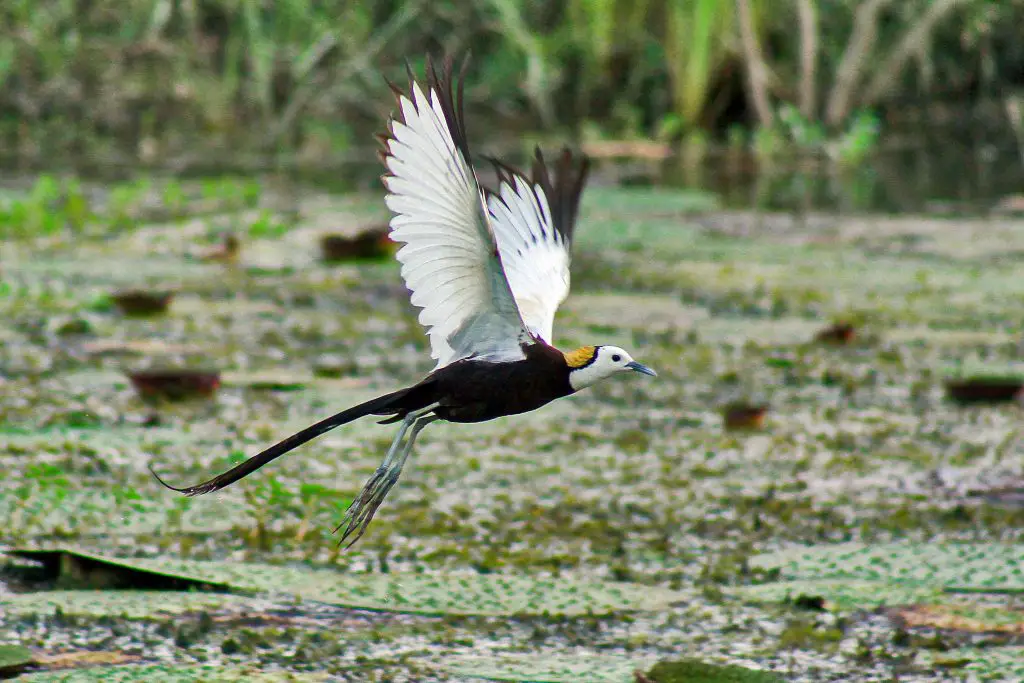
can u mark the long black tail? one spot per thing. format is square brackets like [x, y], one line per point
[397, 403]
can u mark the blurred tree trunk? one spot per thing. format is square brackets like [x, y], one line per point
[753, 59]
[855, 57]
[855, 65]
[913, 42]
[807, 11]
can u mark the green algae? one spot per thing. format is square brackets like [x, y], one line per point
[126, 604]
[696, 671]
[468, 594]
[545, 667]
[629, 481]
[160, 673]
[14, 659]
[961, 567]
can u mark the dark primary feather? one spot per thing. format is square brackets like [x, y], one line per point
[449, 95]
[563, 192]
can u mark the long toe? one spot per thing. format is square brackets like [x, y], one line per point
[364, 507]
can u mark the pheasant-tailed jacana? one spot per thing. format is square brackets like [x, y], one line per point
[488, 268]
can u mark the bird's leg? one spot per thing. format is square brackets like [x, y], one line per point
[365, 505]
[382, 468]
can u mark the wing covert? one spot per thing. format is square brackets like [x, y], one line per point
[449, 258]
[533, 221]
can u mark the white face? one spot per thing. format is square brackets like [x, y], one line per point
[608, 361]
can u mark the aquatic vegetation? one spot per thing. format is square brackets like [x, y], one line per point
[869, 520]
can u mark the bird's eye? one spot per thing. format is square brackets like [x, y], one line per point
[616, 358]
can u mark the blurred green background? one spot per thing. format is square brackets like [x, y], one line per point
[112, 86]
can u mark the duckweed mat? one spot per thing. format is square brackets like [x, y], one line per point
[462, 594]
[156, 673]
[980, 567]
[868, 529]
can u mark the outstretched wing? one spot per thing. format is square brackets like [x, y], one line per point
[533, 221]
[450, 260]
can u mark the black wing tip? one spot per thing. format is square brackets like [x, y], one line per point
[564, 192]
[505, 171]
[447, 85]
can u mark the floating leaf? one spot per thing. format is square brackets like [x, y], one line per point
[964, 618]
[168, 673]
[988, 663]
[14, 659]
[479, 594]
[981, 567]
[545, 667]
[130, 604]
[697, 671]
[80, 658]
[44, 509]
[741, 416]
[838, 593]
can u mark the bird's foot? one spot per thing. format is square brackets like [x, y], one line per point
[365, 505]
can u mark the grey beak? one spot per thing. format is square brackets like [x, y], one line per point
[640, 367]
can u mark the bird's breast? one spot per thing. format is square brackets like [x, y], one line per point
[475, 391]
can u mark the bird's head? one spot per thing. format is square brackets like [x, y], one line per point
[591, 364]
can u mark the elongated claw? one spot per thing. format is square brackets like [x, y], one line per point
[364, 507]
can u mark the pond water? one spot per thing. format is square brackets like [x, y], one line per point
[864, 528]
[936, 169]
[929, 176]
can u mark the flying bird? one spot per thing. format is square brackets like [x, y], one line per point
[488, 268]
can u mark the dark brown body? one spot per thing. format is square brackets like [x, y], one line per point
[475, 391]
[465, 391]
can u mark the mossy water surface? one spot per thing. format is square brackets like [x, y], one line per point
[632, 483]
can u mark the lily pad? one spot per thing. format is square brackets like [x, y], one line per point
[838, 593]
[46, 511]
[469, 594]
[14, 659]
[82, 658]
[129, 604]
[697, 671]
[165, 673]
[965, 567]
[962, 618]
[988, 664]
[543, 667]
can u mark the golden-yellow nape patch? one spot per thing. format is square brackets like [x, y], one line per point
[580, 357]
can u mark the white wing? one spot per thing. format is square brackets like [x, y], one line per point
[533, 221]
[449, 260]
